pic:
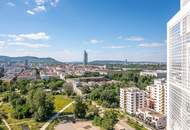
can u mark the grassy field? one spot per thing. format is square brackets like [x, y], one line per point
[135, 125]
[61, 101]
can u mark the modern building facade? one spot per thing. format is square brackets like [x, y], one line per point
[85, 62]
[178, 58]
[131, 99]
[152, 118]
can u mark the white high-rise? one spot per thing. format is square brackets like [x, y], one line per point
[178, 58]
[131, 99]
[158, 92]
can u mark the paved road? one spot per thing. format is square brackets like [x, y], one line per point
[55, 116]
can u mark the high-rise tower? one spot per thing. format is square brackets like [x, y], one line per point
[85, 62]
[178, 60]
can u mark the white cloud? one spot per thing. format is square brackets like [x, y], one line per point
[132, 38]
[40, 2]
[151, 45]
[40, 6]
[30, 12]
[39, 9]
[43, 2]
[54, 3]
[95, 41]
[29, 45]
[11, 4]
[30, 36]
[115, 47]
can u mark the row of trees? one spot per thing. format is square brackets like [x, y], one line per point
[25, 85]
[131, 78]
[82, 111]
[139, 66]
[37, 104]
[106, 95]
[108, 120]
[29, 98]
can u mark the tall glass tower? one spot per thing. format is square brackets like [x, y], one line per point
[178, 59]
[85, 62]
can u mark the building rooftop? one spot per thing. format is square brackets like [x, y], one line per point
[151, 112]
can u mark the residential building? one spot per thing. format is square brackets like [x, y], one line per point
[157, 96]
[150, 102]
[152, 118]
[154, 73]
[178, 49]
[131, 99]
[85, 58]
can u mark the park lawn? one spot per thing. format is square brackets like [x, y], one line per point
[61, 101]
[135, 125]
[15, 124]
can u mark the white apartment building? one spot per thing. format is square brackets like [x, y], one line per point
[154, 73]
[160, 95]
[178, 59]
[131, 99]
[152, 118]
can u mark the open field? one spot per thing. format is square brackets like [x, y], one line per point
[80, 125]
[61, 101]
[135, 124]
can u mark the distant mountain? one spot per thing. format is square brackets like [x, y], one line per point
[31, 59]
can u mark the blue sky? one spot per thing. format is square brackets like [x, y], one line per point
[107, 29]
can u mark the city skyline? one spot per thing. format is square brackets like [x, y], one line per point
[63, 29]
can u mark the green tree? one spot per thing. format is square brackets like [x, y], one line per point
[22, 85]
[21, 111]
[55, 85]
[2, 114]
[97, 121]
[80, 108]
[68, 89]
[108, 120]
[41, 104]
